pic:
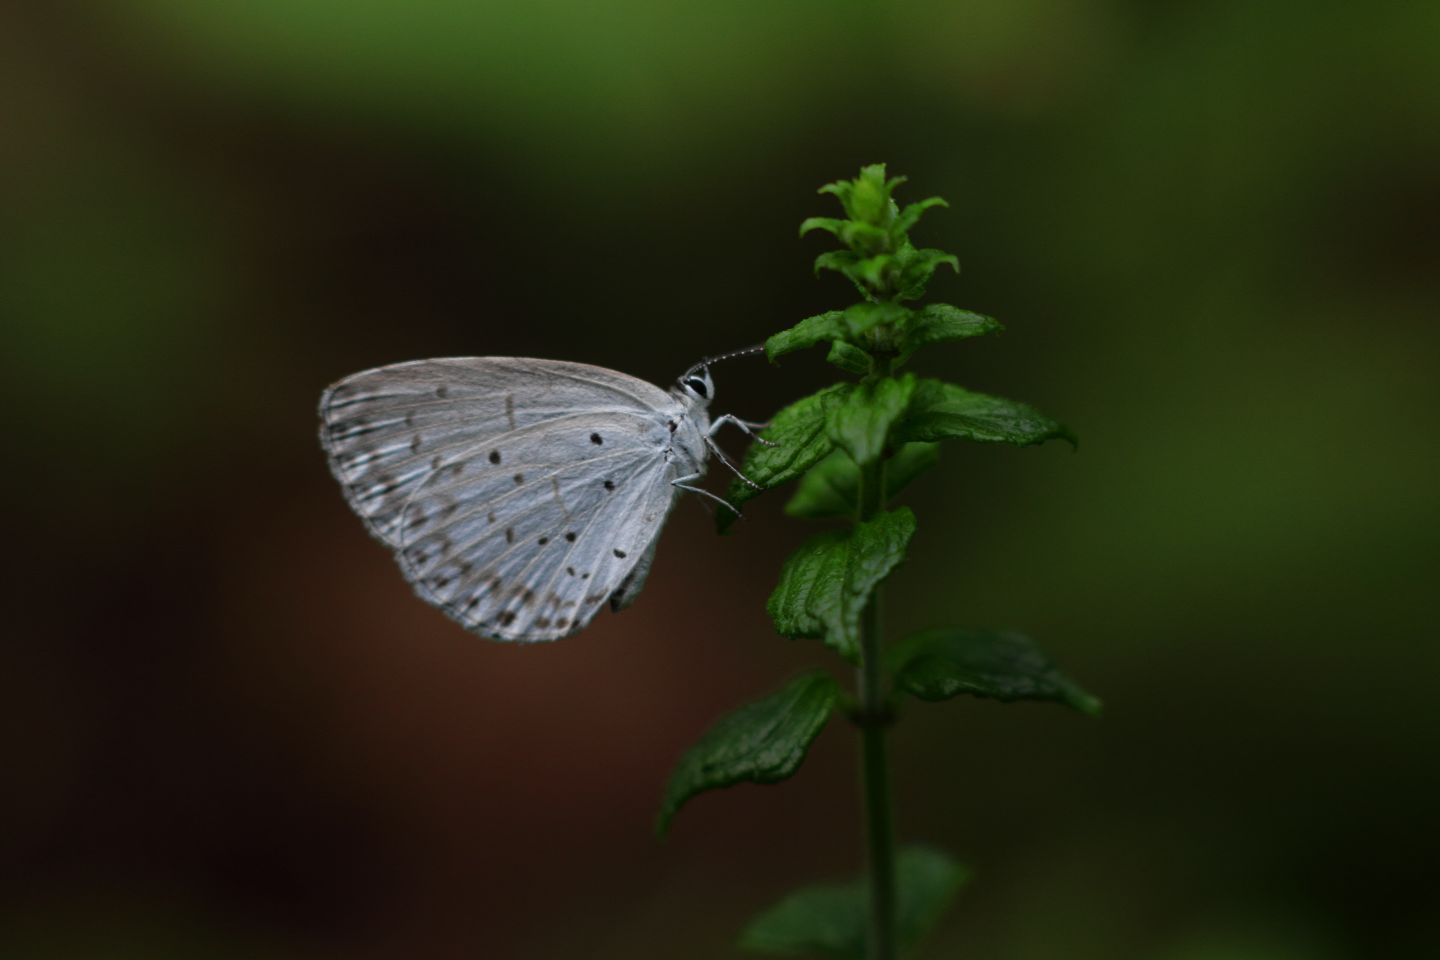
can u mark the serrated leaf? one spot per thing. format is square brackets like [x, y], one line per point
[800, 440]
[830, 225]
[997, 664]
[912, 212]
[871, 270]
[842, 261]
[849, 358]
[861, 424]
[831, 487]
[869, 198]
[862, 317]
[840, 189]
[918, 266]
[864, 237]
[830, 919]
[940, 321]
[847, 264]
[943, 411]
[806, 333]
[825, 585]
[762, 742]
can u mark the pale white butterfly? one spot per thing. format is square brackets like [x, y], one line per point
[519, 495]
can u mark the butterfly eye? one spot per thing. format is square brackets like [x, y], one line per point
[698, 386]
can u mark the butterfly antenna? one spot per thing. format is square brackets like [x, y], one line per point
[746, 352]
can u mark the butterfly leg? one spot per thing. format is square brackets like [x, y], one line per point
[720, 455]
[685, 483]
[748, 426]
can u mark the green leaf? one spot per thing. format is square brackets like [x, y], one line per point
[997, 664]
[910, 460]
[926, 880]
[911, 214]
[825, 584]
[830, 919]
[918, 266]
[841, 190]
[943, 411]
[842, 261]
[935, 322]
[869, 199]
[830, 225]
[862, 317]
[850, 358]
[806, 333]
[861, 424]
[871, 270]
[762, 742]
[863, 237]
[800, 439]
[831, 487]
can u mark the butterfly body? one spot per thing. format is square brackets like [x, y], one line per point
[519, 495]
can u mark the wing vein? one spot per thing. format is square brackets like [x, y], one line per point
[641, 489]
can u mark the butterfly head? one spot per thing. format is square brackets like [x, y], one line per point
[697, 386]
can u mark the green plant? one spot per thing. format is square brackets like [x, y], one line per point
[853, 446]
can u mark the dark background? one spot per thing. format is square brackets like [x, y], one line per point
[231, 731]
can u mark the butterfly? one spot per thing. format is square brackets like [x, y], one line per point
[520, 496]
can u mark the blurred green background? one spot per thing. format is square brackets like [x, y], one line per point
[1213, 229]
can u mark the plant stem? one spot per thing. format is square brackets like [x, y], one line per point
[879, 827]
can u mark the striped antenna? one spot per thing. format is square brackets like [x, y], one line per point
[747, 351]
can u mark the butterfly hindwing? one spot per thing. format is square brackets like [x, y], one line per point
[532, 552]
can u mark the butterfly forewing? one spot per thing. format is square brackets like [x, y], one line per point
[518, 494]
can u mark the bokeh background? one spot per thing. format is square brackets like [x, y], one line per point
[1211, 227]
